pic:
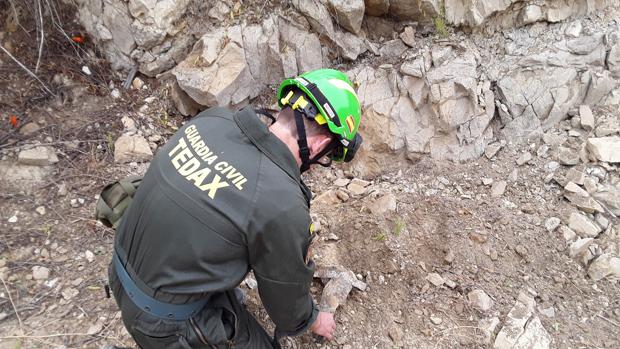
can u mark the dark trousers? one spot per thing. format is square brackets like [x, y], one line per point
[223, 323]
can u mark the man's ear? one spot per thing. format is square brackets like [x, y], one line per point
[318, 143]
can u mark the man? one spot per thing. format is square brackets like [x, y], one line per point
[224, 196]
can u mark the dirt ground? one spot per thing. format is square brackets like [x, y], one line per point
[445, 222]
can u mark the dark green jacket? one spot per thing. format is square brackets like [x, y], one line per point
[224, 196]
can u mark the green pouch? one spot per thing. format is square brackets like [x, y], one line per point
[114, 200]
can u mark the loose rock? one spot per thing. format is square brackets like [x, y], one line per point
[435, 279]
[524, 158]
[29, 128]
[69, 293]
[586, 117]
[498, 189]
[567, 156]
[358, 186]
[582, 225]
[130, 148]
[522, 329]
[408, 36]
[41, 210]
[578, 247]
[552, 223]
[37, 156]
[606, 265]
[605, 148]
[384, 204]
[40, 273]
[480, 300]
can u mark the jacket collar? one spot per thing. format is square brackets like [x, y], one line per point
[267, 142]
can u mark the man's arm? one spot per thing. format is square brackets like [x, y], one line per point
[278, 257]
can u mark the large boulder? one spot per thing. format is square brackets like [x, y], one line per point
[317, 14]
[216, 71]
[442, 110]
[147, 32]
[415, 9]
[348, 13]
[376, 7]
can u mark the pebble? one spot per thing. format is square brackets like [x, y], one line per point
[13, 219]
[552, 166]
[41, 210]
[524, 158]
[449, 257]
[40, 273]
[487, 181]
[521, 250]
[395, 333]
[552, 223]
[548, 312]
[116, 94]
[137, 83]
[492, 149]
[358, 186]
[344, 197]
[69, 293]
[480, 300]
[332, 237]
[436, 320]
[498, 189]
[62, 189]
[435, 279]
[29, 128]
[90, 256]
[341, 182]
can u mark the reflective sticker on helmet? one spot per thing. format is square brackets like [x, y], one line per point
[344, 142]
[350, 123]
[329, 111]
[343, 86]
[302, 81]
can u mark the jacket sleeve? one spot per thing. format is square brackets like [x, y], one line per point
[278, 257]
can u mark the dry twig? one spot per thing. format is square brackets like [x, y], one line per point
[27, 70]
[19, 320]
[42, 38]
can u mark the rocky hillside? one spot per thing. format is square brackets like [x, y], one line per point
[509, 71]
[483, 211]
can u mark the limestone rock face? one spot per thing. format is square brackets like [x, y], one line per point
[376, 7]
[348, 13]
[443, 110]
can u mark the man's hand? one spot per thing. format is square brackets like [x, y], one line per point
[324, 325]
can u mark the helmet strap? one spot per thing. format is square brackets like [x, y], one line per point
[302, 141]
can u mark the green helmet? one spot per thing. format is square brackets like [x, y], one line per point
[332, 93]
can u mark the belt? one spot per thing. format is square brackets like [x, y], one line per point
[151, 305]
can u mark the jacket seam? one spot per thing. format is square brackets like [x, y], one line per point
[255, 197]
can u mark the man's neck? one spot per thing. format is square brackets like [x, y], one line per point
[285, 136]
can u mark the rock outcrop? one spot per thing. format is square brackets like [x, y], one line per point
[447, 98]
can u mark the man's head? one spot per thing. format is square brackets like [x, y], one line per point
[326, 98]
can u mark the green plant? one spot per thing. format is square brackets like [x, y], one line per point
[47, 229]
[399, 225]
[381, 236]
[110, 140]
[440, 21]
